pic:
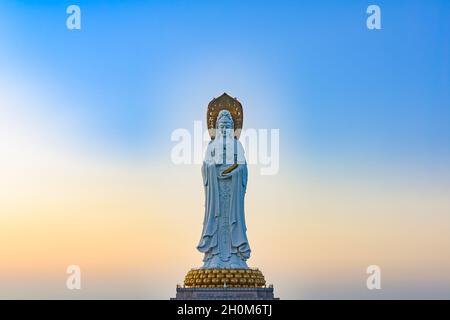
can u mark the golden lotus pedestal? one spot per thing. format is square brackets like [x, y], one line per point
[224, 284]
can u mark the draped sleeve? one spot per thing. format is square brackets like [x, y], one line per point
[205, 174]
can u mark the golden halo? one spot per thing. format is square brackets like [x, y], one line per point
[224, 102]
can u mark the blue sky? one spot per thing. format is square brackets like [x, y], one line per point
[364, 132]
[311, 68]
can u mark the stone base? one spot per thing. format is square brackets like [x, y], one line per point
[225, 294]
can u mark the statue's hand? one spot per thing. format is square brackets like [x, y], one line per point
[228, 172]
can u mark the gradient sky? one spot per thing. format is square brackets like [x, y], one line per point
[85, 122]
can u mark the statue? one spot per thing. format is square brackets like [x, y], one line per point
[224, 240]
[224, 243]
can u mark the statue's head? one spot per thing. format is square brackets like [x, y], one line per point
[225, 123]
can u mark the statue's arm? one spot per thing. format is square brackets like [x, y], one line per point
[205, 173]
[244, 176]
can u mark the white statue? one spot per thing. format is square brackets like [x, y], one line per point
[224, 239]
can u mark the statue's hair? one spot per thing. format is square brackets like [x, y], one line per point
[224, 113]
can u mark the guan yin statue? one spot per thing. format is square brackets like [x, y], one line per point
[224, 243]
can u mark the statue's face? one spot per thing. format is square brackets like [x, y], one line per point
[225, 125]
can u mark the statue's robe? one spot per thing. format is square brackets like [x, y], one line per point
[224, 240]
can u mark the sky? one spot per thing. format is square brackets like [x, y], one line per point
[86, 118]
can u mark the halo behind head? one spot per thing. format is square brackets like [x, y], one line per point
[232, 105]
